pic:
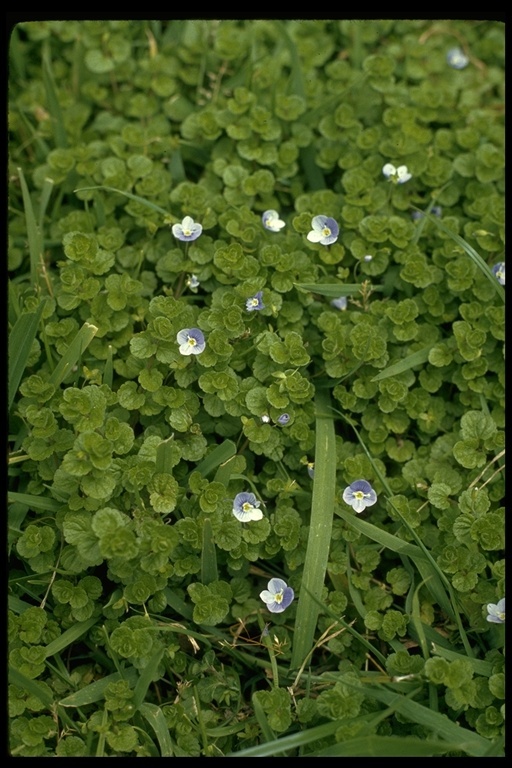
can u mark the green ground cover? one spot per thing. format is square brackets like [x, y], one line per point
[251, 264]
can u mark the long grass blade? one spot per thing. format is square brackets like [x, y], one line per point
[320, 529]
[334, 290]
[20, 344]
[137, 198]
[473, 255]
[59, 130]
[147, 676]
[217, 457]
[34, 502]
[416, 358]
[156, 719]
[73, 353]
[96, 691]
[209, 571]
[35, 245]
[69, 637]
[388, 746]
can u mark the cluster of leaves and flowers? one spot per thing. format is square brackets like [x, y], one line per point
[256, 388]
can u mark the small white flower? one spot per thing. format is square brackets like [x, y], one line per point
[456, 58]
[245, 507]
[272, 222]
[278, 595]
[191, 341]
[187, 230]
[398, 175]
[359, 495]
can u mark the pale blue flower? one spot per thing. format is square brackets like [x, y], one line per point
[435, 211]
[496, 612]
[191, 341]
[255, 303]
[278, 595]
[272, 222]
[325, 230]
[456, 58]
[499, 271]
[311, 469]
[245, 507]
[193, 283]
[359, 495]
[188, 229]
[283, 419]
[397, 175]
[340, 303]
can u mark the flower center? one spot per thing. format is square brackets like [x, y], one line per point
[247, 507]
[191, 341]
[187, 232]
[326, 231]
[359, 495]
[254, 302]
[278, 597]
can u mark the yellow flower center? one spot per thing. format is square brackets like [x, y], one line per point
[247, 507]
[278, 597]
[326, 231]
[192, 342]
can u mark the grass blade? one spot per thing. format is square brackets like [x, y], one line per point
[69, 637]
[35, 245]
[96, 691]
[146, 677]
[20, 345]
[416, 358]
[209, 571]
[155, 718]
[388, 746]
[59, 130]
[218, 456]
[137, 198]
[34, 502]
[334, 290]
[473, 255]
[73, 353]
[320, 529]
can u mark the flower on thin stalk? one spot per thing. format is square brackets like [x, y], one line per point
[359, 495]
[278, 595]
[188, 229]
[245, 507]
[283, 419]
[456, 58]
[272, 222]
[191, 341]
[496, 612]
[499, 272]
[311, 469]
[325, 230]
[397, 175]
[340, 303]
[255, 302]
[265, 418]
[193, 283]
